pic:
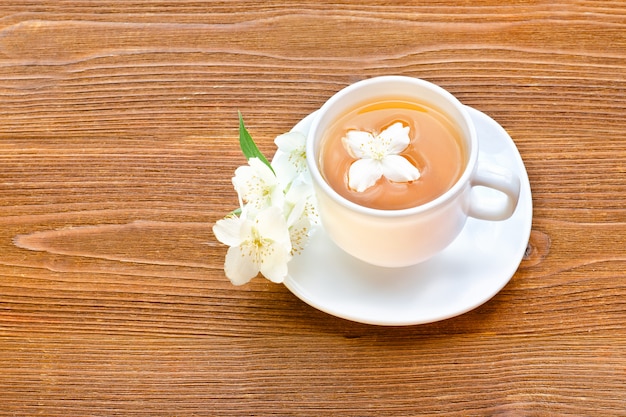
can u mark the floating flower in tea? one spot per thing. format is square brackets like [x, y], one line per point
[379, 156]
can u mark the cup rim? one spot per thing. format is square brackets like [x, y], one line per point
[456, 188]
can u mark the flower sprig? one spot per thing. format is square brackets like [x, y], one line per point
[277, 210]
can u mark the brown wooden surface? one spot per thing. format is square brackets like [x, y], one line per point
[118, 139]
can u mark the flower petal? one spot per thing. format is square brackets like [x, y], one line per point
[294, 210]
[364, 173]
[284, 168]
[239, 266]
[299, 234]
[262, 170]
[256, 185]
[274, 263]
[290, 142]
[228, 230]
[271, 224]
[396, 138]
[398, 169]
[290, 157]
[359, 144]
[248, 178]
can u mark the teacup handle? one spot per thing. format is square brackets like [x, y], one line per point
[497, 178]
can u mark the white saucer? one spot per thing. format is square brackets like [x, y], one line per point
[474, 268]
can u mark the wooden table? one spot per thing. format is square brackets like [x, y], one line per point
[118, 141]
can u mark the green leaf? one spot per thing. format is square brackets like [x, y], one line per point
[248, 147]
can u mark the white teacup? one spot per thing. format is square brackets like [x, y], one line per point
[396, 238]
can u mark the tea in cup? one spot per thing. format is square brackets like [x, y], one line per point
[393, 161]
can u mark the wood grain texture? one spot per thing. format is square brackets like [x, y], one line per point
[118, 139]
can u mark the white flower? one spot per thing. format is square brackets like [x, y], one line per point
[378, 156]
[258, 244]
[300, 200]
[290, 159]
[257, 186]
[301, 213]
[278, 210]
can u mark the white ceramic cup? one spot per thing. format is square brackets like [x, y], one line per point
[396, 238]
